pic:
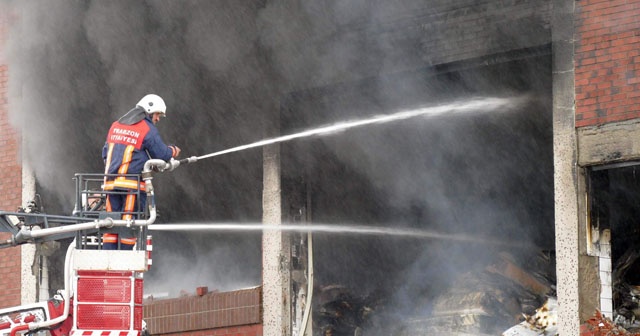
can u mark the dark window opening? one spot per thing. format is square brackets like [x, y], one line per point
[615, 208]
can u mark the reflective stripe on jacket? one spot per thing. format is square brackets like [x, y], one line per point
[126, 150]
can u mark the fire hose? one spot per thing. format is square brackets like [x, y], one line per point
[160, 165]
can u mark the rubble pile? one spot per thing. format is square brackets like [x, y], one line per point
[626, 290]
[599, 325]
[491, 300]
[543, 323]
[338, 312]
[508, 294]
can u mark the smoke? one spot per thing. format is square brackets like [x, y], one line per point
[210, 262]
[235, 72]
[76, 67]
[487, 173]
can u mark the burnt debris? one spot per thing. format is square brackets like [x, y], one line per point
[486, 301]
[339, 312]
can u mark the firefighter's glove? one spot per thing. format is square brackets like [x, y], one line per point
[175, 151]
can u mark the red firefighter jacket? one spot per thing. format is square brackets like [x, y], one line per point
[130, 143]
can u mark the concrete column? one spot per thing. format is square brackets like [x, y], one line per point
[565, 168]
[276, 298]
[28, 284]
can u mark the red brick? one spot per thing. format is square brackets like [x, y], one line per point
[10, 181]
[606, 59]
[211, 311]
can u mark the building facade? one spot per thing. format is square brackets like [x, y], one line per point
[594, 51]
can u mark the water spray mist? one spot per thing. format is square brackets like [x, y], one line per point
[457, 107]
[332, 229]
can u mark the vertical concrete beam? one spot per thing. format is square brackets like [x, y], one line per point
[275, 251]
[565, 168]
[28, 290]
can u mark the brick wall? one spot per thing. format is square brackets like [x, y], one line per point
[607, 61]
[246, 330]
[10, 180]
[235, 313]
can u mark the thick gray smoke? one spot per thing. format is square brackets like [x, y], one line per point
[234, 72]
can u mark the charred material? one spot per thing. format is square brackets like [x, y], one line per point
[337, 312]
[487, 301]
[490, 300]
[626, 291]
[543, 323]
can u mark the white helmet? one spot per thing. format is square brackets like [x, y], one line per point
[153, 104]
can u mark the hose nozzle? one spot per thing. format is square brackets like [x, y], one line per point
[189, 160]
[173, 164]
[161, 165]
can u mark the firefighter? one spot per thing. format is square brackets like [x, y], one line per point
[132, 140]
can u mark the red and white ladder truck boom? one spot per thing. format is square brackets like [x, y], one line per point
[103, 289]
